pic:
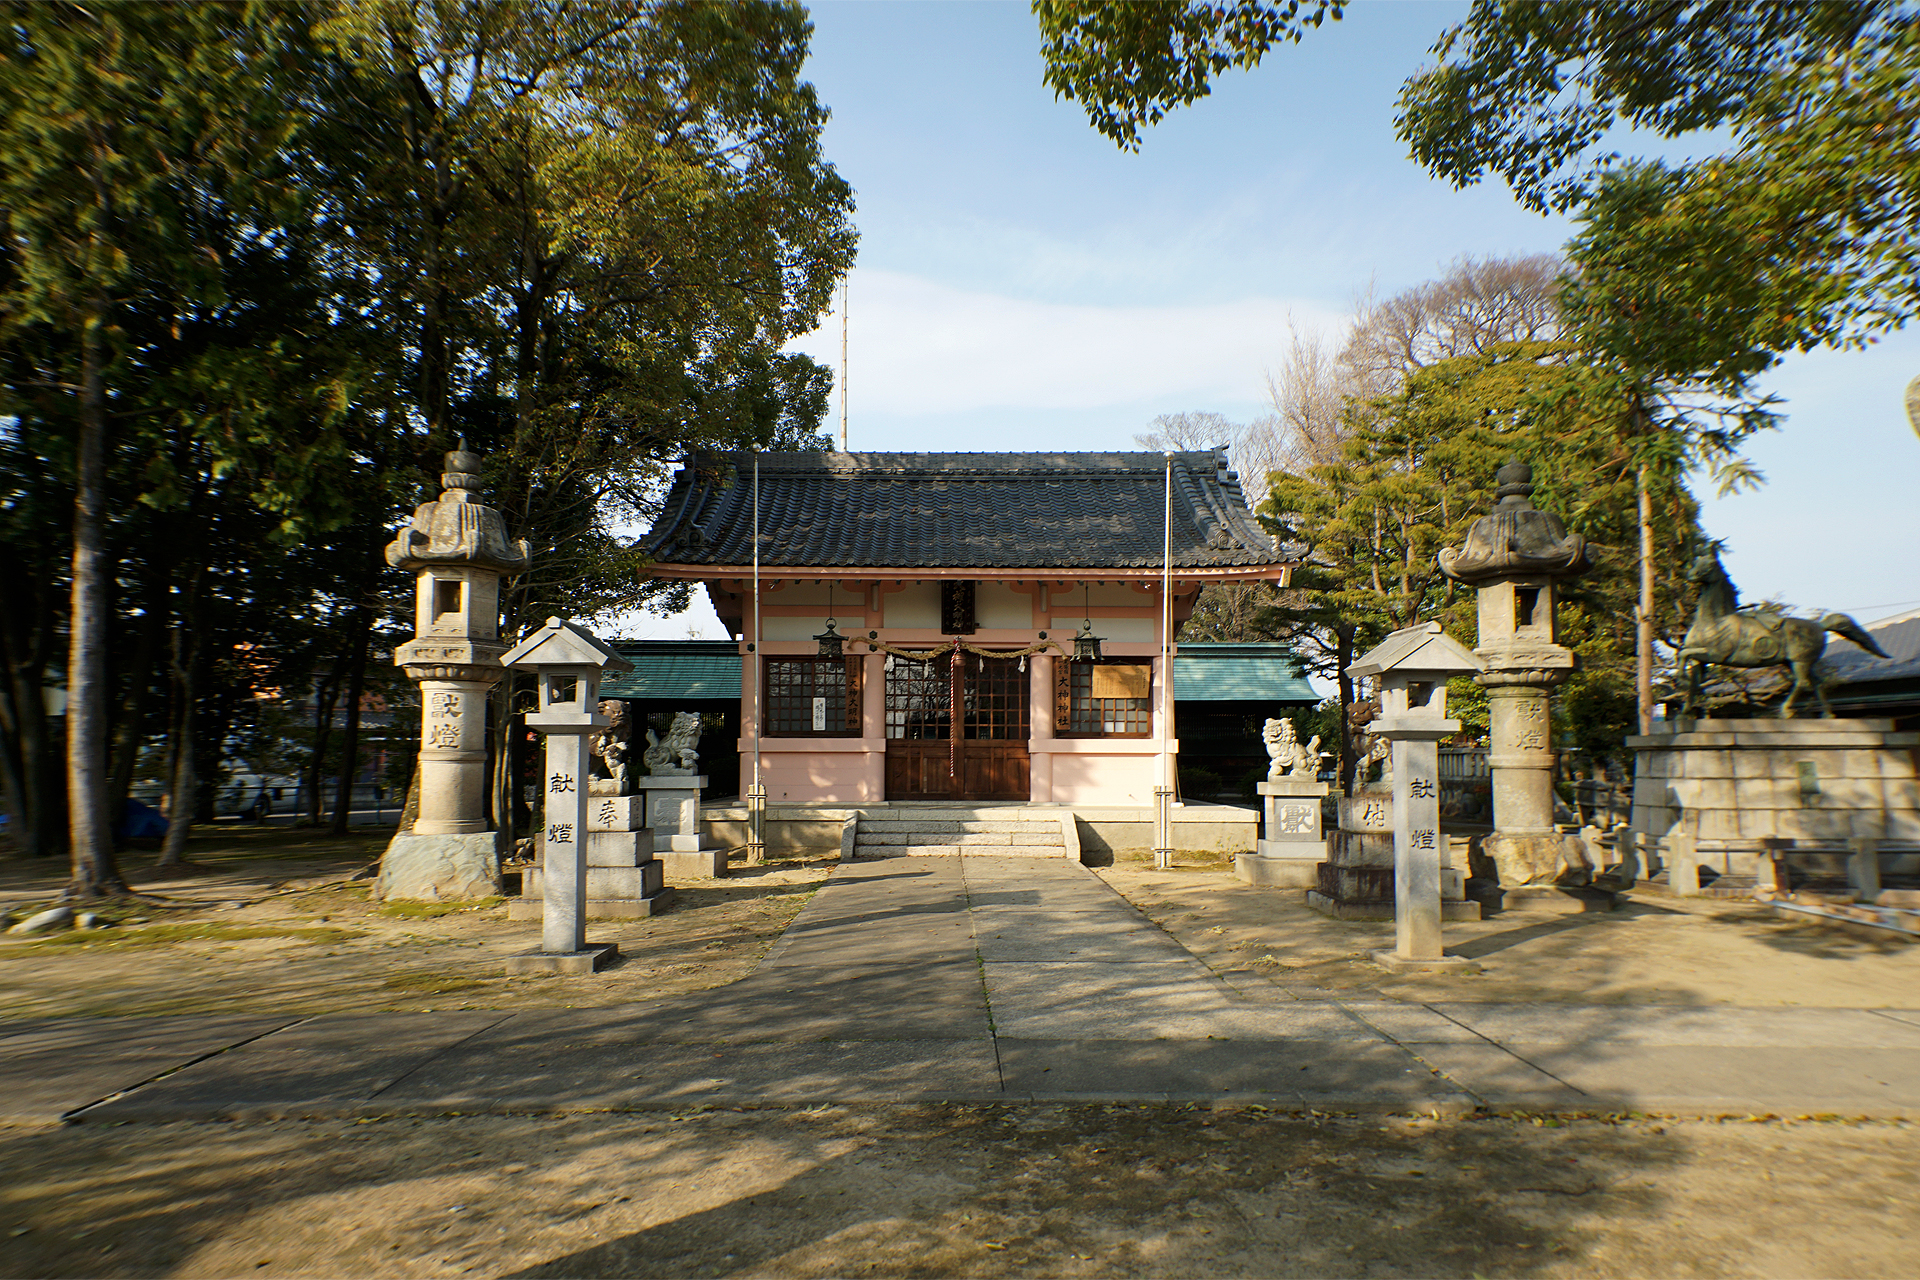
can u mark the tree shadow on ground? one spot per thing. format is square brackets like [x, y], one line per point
[933, 1189]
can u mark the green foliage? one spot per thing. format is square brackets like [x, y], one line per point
[1529, 90]
[1129, 64]
[1803, 235]
[1418, 470]
[299, 248]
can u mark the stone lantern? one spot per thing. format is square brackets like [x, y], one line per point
[1516, 556]
[458, 550]
[566, 661]
[1411, 667]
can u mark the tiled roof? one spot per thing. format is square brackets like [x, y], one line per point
[959, 510]
[694, 670]
[1209, 672]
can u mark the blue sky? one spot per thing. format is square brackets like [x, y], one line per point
[1024, 284]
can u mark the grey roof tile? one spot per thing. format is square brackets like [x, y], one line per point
[959, 510]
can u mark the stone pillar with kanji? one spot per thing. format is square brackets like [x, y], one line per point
[458, 550]
[1515, 557]
[567, 662]
[1411, 667]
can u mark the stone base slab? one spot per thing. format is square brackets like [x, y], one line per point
[695, 864]
[1550, 900]
[598, 908]
[1383, 910]
[1315, 849]
[1438, 964]
[1267, 871]
[596, 957]
[458, 868]
[616, 813]
[642, 881]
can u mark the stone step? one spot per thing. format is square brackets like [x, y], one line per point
[955, 850]
[1010, 813]
[884, 826]
[984, 839]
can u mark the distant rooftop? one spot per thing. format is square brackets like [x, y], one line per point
[959, 510]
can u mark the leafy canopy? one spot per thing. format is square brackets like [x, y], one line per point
[1530, 89]
[1129, 64]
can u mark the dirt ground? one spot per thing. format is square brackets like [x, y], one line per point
[272, 924]
[962, 1191]
[1655, 949]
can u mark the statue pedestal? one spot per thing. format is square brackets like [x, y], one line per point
[624, 881]
[1724, 796]
[1356, 880]
[1291, 847]
[672, 803]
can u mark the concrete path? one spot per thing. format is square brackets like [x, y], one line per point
[972, 979]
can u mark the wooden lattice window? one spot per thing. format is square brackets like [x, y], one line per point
[812, 698]
[917, 696]
[996, 697]
[1109, 699]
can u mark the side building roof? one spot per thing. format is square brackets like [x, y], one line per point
[1001, 511]
[697, 671]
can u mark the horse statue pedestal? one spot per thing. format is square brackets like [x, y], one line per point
[1725, 797]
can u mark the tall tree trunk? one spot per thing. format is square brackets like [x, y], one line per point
[96, 873]
[1344, 659]
[326, 695]
[183, 779]
[130, 731]
[29, 737]
[360, 626]
[1643, 612]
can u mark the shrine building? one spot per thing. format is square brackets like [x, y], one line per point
[958, 626]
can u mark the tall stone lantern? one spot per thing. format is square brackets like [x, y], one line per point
[458, 550]
[1516, 556]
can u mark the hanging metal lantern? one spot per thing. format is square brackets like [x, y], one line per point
[1086, 645]
[832, 643]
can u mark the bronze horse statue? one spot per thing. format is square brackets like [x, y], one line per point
[1722, 633]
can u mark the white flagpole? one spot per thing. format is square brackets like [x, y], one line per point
[757, 793]
[1163, 794]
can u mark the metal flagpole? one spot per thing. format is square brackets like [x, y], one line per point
[843, 364]
[757, 790]
[1163, 793]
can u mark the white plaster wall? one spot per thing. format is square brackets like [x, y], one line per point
[998, 607]
[915, 606]
[773, 628]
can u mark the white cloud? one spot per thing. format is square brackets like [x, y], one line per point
[920, 347]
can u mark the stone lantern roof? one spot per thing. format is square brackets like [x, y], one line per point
[1514, 540]
[457, 529]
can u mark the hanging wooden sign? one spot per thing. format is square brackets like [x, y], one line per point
[1131, 680]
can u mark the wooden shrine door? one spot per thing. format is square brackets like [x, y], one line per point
[990, 701]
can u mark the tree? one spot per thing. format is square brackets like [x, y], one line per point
[1532, 90]
[121, 129]
[1129, 64]
[1417, 470]
[1802, 234]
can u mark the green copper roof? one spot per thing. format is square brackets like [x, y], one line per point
[1239, 673]
[677, 670]
[709, 671]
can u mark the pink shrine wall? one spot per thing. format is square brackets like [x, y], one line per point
[849, 770]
